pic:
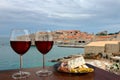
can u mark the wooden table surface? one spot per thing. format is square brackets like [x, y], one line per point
[98, 74]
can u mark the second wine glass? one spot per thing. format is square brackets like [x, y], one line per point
[44, 43]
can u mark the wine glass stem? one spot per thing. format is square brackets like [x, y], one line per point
[20, 64]
[43, 62]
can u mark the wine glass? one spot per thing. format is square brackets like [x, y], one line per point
[44, 43]
[20, 43]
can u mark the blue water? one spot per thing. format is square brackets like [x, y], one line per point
[10, 60]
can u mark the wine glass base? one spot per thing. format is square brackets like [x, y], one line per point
[43, 73]
[21, 75]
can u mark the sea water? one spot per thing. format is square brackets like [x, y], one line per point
[33, 58]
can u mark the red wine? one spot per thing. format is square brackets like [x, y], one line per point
[20, 47]
[44, 46]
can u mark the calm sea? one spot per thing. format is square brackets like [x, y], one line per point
[10, 60]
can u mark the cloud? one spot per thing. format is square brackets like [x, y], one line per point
[87, 15]
[112, 28]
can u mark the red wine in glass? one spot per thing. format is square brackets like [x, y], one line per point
[44, 46]
[20, 47]
[44, 43]
[20, 43]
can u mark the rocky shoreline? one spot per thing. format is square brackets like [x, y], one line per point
[64, 58]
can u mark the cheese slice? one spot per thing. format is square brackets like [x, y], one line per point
[76, 62]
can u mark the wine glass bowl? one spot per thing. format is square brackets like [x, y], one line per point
[20, 47]
[44, 43]
[20, 43]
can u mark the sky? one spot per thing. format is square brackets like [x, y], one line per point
[90, 16]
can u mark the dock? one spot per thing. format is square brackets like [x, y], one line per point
[71, 46]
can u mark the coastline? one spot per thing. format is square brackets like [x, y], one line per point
[71, 46]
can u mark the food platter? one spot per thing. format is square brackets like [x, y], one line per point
[75, 70]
